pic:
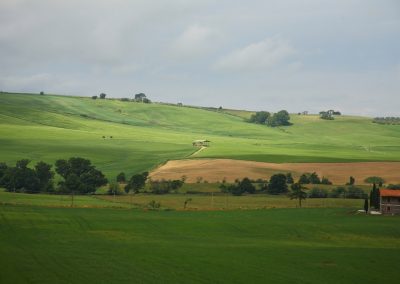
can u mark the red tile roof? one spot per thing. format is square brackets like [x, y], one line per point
[390, 192]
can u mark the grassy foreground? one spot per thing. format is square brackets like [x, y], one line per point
[143, 136]
[62, 245]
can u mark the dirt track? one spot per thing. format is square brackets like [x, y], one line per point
[214, 170]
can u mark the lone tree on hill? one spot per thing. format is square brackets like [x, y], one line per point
[102, 96]
[297, 192]
[140, 97]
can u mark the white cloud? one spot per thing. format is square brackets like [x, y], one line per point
[195, 41]
[257, 56]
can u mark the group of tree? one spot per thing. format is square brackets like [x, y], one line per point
[352, 192]
[21, 178]
[280, 118]
[165, 186]
[313, 178]
[239, 187]
[329, 114]
[140, 97]
[387, 120]
[78, 176]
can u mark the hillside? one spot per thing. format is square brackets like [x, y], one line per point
[144, 135]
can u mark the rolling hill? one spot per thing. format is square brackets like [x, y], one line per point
[131, 137]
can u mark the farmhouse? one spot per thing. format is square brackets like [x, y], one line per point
[390, 201]
[201, 143]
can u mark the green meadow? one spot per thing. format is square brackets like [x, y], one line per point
[50, 127]
[86, 245]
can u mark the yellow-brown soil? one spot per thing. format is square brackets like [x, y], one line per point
[214, 170]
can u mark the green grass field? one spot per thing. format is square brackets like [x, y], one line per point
[64, 245]
[205, 201]
[145, 135]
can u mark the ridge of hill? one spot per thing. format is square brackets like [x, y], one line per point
[49, 127]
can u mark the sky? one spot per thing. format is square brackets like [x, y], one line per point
[254, 54]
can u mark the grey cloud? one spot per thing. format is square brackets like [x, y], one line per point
[344, 54]
[257, 56]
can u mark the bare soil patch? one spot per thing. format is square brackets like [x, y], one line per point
[214, 170]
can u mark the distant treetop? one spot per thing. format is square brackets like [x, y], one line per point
[281, 118]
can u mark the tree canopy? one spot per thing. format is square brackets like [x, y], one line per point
[80, 176]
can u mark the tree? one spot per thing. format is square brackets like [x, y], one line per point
[374, 197]
[325, 180]
[3, 168]
[375, 179]
[289, 178]
[277, 184]
[326, 115]
[366, 205]
[352, 181]
[45, 176]
[41, 93]
[245, 185]
[94, 97]
[318, 193]
[314, 178]
[260, 117]
[304, 179]
[281, 118]
[338, 192]
[297, 192]
[121, 178]
[140, 97]
[80, 176]
[102, 96]
[20, 178]
[113, 189]
[136, 182]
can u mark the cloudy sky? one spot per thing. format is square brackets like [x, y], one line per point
[253, 54]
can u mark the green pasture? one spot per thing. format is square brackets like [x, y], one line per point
[82, 245]
[50, 127]
[198, 201]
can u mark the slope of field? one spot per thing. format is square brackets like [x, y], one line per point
[214, 170]
[145, 135]
[60, 245]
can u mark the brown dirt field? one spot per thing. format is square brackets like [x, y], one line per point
[214, 170]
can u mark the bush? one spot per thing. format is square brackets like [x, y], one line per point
[337, 192]
[318, 193]
[325, 180]
[114, 189]
[356, 193]
[153, 205]
[393, 186]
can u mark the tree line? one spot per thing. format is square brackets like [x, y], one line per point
[140, 98]
[387, 120]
